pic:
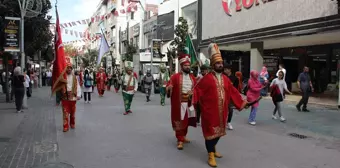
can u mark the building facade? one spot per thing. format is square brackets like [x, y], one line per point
[256, 33]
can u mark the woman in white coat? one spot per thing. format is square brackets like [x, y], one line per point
[88, 83]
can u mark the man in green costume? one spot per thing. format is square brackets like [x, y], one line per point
[130, 86]
[163, 81]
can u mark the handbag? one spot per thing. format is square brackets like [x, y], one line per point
[276, 94]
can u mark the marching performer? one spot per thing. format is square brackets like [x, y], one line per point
[180, 88]
[129, 86]
[101, 79]
[214, 93]
[163, 81]
[70, 93]
[148, 80]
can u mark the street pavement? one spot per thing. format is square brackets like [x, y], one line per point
[105, 138]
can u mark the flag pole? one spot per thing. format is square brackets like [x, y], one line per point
[199, 61]
[104, 36]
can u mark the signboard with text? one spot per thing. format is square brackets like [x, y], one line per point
[156, 48]
[12, 33]
[166, 26]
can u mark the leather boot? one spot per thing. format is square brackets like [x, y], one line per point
[211, 160]
[218, 155]
[180, 145]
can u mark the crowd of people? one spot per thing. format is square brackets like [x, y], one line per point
[207, 99]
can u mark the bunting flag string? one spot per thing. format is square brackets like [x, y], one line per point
[131, 7]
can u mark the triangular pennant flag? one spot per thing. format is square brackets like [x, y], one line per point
[83, 22]
[116, 13]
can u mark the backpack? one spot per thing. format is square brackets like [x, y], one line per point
[88, 82]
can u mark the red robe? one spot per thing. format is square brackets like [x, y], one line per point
[213, 99]
[101, 80]
[176, 81]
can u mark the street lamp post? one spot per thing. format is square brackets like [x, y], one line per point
[28, 8]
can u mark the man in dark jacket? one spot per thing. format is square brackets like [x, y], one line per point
[228, 72]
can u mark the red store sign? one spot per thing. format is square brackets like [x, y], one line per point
[227, 4]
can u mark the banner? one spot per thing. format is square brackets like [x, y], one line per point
[12, 30]
[166, 29]
[156, 48]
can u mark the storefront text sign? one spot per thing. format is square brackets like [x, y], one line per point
[228, 4]
[12, 31]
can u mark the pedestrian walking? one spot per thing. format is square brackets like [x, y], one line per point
[306, 87]
[116, 78]
[44, 78]
[235, 82]
[129, 86]
[163, 81]
[282, 68]
[109, 82]
[18, 88]
[180, 88]
[101, 79]
[254, 91]
[88, 83]
[278, 87]
[213, 92]
[27, 85]
[147, 81]
[239, 76]
[264, 76]
[49, 77]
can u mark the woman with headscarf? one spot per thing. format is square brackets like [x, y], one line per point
[239, 76]
[253, 93]
[264, 76]
[18, 88]
[88, 83]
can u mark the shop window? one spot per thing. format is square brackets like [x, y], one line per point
[132, 15]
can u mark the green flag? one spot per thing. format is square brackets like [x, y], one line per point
[189, 48]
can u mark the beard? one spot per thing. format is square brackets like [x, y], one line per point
[218, 69]
[187, 71]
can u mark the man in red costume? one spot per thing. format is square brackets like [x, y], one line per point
[213, 94]
[101, 80]
[71, 92]
[180, 88]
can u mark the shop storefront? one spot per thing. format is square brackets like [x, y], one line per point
[272, 32]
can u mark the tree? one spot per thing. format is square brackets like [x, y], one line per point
[90, 58]
[178, 45]
[131, 50]
[181, 32]
[37, 30]
[70, 50]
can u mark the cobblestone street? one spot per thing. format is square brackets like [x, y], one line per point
[104, 138]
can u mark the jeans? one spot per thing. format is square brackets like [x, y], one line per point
[252, 115]
[277, 109]
[19, 97]
[87, 96]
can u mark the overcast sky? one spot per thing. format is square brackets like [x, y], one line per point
[74, 10]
